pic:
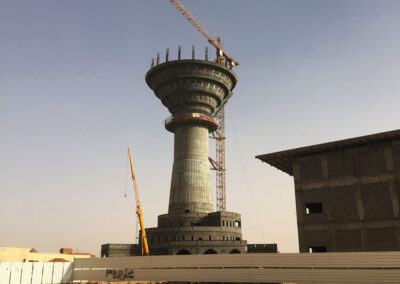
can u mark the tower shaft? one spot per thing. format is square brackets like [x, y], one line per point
[190, 185]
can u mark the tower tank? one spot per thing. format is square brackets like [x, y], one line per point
[193, 90]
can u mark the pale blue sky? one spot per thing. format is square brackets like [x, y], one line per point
[73, 98]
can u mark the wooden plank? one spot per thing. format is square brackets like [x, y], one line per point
[57, 272]
[37, 273]
[16, 269]
[47, 272]
[5, 271]
[26, 276]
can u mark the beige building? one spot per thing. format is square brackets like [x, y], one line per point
[12, 254]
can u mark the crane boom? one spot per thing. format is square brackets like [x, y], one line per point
[221, 54]
[139, 209]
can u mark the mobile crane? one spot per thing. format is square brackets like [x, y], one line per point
[139, 210]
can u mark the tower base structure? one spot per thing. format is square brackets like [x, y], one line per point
[197, 233]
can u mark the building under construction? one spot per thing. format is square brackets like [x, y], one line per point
[347, 193]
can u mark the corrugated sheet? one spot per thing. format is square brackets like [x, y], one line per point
[37, 273]
[368, 267]
[47, 272]
[67, 272]
[5, 271]
[58, 272]
[16, 269]
[26, 273]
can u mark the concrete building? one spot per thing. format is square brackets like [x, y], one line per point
[347, 193]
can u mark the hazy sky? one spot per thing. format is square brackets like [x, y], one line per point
[73, 98]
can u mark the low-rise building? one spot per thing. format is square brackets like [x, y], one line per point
[13, 254]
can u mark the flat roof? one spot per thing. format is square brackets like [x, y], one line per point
[283, 160]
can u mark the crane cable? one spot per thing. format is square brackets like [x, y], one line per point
[246, 179]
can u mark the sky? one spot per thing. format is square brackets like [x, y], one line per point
[73, 98]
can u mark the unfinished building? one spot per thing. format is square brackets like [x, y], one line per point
[347, 193]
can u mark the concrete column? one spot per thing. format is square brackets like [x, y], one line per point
[190, 184]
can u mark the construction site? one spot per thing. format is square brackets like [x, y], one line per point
[346, 192]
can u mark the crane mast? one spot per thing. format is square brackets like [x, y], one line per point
[219, 134]
[139, 209]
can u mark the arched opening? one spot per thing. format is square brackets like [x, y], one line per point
[183, 252]
[210, 251]
[234, 251]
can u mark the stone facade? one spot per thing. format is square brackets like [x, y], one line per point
[347, 193]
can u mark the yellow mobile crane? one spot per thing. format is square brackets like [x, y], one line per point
[139, 210]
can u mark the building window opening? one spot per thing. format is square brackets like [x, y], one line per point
[174, 238]
[200, 239]
[237, 239]
[183, 238]
[170, 224]
[237, 224]
[166, 238]
[317, 249]
[183, 252]
[180, 224]
[209, 238]
[192, 238]
[223, 223]
[210, 251]
[312, 208]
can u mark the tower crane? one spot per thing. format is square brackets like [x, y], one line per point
[139, 209]
[219, 135]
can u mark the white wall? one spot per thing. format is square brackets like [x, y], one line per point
[35, 272]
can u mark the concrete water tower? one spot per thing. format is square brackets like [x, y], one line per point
[193, 90]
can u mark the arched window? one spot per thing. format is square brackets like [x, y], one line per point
[183, 252]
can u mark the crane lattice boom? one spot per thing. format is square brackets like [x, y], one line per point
[221, 54]
[139, 209]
